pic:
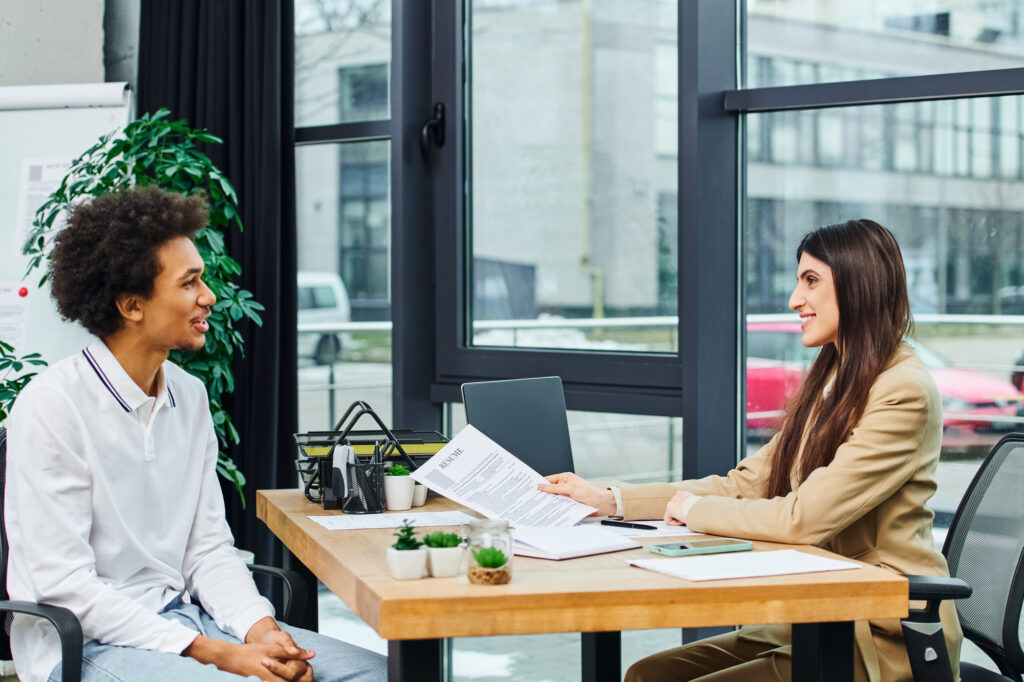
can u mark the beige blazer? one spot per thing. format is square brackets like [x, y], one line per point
[868, 504]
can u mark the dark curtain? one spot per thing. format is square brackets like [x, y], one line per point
[226, 65]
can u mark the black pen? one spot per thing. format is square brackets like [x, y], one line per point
[625, 524]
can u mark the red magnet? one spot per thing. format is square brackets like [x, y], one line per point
[23, 292]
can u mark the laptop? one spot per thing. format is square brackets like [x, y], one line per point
[524, 416]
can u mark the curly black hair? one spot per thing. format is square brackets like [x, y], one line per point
[109, 248]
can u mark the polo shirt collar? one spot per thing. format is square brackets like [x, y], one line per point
[116, 381]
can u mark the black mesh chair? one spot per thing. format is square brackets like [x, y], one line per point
[985, 548]
[293, 601]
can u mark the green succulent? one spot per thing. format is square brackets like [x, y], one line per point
[441, 539]
[406, 535]
[396, 470]
[490, 557]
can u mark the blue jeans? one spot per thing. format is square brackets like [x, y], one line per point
[335, 660]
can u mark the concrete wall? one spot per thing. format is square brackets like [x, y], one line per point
[49, 42]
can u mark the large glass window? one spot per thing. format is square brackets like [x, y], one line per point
[793, 42]
[342, 58]
[344, 320]
[573, 133]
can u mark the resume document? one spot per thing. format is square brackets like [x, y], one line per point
[476, 472]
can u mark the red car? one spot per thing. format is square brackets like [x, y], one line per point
[777, 361]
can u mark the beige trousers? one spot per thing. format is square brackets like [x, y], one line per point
[725, 658]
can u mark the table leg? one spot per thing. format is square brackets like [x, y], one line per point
[602, 656]
[414, 660]
[823, 651]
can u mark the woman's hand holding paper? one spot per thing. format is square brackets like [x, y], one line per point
[571, 485]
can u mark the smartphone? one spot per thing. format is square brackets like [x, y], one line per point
[705, 546]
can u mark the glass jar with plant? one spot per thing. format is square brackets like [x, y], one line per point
[155, 150]
[407, 557]
[398, 488]
[444, 553]
[490, 552]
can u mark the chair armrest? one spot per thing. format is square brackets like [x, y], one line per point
[295, 592]
[929, 587]
[68, 630]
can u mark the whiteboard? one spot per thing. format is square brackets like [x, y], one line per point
[41, 128]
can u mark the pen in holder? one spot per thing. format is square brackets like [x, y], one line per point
[365, 484]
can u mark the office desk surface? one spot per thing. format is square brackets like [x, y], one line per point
[590, 594]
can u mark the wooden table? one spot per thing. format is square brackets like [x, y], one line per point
[598, 596]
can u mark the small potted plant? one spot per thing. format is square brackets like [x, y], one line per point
[444, 553]
[489, 567]
[419, 494]
[407, 558]
[398, 488]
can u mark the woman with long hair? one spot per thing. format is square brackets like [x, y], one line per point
[850, 470]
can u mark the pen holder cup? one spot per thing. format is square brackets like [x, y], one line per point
[364, 493]
[359, 489]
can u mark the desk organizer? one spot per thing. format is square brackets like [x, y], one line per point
[358, 486]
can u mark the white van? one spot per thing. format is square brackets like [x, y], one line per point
[322, 298]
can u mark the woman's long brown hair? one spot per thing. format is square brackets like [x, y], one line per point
[874, 316]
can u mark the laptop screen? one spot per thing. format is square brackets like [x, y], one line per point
[524, 416]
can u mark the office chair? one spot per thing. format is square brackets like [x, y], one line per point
[69, 630]
[985, 548]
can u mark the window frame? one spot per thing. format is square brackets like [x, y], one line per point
[709, 288]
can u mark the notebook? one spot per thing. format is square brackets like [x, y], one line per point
[524, 416]
[568, 542]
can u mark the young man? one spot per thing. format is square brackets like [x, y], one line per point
[113, 506]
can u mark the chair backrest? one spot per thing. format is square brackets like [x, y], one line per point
[985, 547]
[5, 623]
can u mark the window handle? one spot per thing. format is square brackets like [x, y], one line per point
[434, 128]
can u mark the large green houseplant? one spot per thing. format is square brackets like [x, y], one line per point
[155, 150]
[15, 373]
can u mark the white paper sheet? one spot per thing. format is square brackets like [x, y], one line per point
[743, 564]
[357, 521]
[566, 542]
[14, 302]
[661, 529]
[39, 179]
[476, 472]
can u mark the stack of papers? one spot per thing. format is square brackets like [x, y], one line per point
[567, 543]
[743, 565]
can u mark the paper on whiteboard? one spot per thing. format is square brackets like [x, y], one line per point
[476, 472]
[14, 298]
[39, 179]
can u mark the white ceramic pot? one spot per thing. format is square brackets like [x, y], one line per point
[407, 564]
[398, 492]
[419, 495]
[444, 562]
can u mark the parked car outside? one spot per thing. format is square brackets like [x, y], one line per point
[777, 362]
[322, 299]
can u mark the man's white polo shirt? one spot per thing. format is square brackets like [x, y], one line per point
[113, 508]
